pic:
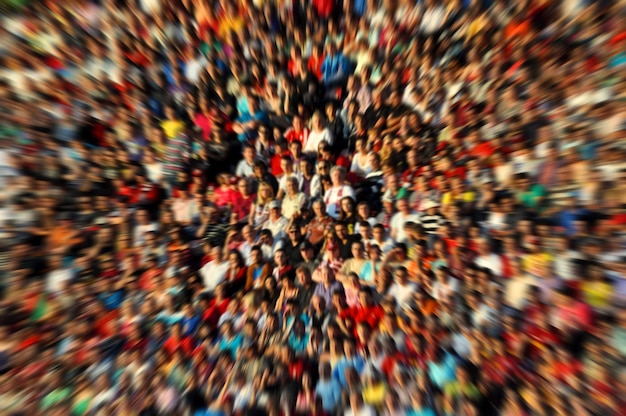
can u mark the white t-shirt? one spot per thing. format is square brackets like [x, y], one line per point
[213, 274]
[315, 138]
[365, 410]
[492, 262]
[277, 227]
[397, 225]
[333, 199]
[56, 279]
[139, 233]
[402, 294]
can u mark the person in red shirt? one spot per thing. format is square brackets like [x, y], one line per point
[147, 280]
[298, 131]
[315, 61]
[324, 8]
[365, 311]
[225, 195]
[243, 199]
[177, 342]
[216, 307]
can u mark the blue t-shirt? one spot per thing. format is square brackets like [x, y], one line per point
[330, 393]
[425, 411]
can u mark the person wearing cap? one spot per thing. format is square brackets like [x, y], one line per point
[276, 222]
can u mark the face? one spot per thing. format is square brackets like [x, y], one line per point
[347, 205]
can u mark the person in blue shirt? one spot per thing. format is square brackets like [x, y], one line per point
[419, 406]
[247, 123]
[298, 339]
[442, 369]
[190, 321]
[328, 389]
[335, 67]
[350, 360]
[229, 341]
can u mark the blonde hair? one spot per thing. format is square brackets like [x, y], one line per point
[260, 200]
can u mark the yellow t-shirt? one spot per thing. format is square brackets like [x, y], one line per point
[374, 395]
[172, 128]
[597, 294]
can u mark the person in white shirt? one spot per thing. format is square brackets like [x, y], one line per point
[400, 218]
[319, 133]
[214, 272]
[337, 192]
[58, 277]
[245, 168]
[276, 222]
[143, 227]
[357, 407]
[380, 239]
[294, 201]
[487, 259]
[517, 288]
[402, 290]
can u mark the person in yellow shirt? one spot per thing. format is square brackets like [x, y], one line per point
[597, 292]
[171, 125]
[375, 390]
[458, 193]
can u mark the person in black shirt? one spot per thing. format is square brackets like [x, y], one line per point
[377, 112]
[345, 240]
[292, 244]
[262, 175]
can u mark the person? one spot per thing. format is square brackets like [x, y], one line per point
[338, 191]
[319, 133]
[293, 201]
[276, 223]
[214, 272]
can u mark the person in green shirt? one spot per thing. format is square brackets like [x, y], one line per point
[462, 386]
[531, 196]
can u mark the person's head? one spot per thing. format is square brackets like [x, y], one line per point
[292, 185]
[260, 169]
[327, 274]
[307, 251]
[295, 148]
[347, 206]
[341, 229]
[379, 232]
[337, 175]
[401, 275]
[365, 230]
[275, 209]
[294, 233]
[249, 153]
[403, 206]
[319, 208]
[280, 257]
[297, 123]
[357, 250]
[286, 164]
[235, 259]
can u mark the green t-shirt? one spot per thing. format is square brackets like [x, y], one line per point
[55, 397]
[532, 197]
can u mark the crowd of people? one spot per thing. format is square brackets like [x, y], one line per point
[292, 207]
